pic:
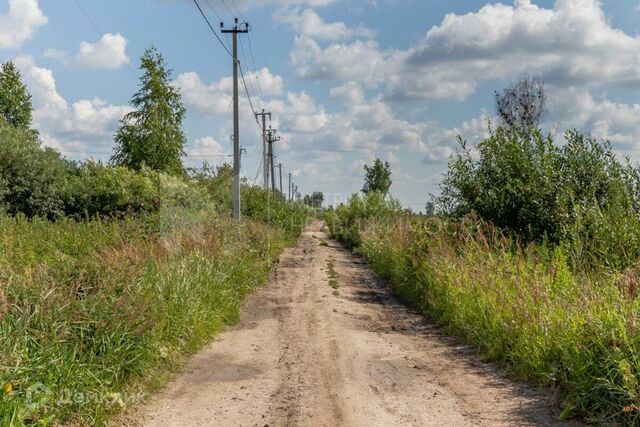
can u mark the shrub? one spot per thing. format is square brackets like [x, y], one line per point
[578, 194]
[102, 190]
[31, 178]
[346, 221]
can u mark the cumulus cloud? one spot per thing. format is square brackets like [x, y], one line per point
[67, 125]
[603, 118]
[20, 23]
[216, 98]
[107, 53]
[570, 44]
[360, 60]
[308, 22]
[365, 125]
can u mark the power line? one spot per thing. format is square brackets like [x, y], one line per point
[256, 70]
[229, 10]
[219, 18]
[244, 58]
[238, 10]
[211, 27]
[213, 10]
[86, 15]
[244, 83]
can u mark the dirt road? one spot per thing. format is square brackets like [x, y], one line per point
[305, 353]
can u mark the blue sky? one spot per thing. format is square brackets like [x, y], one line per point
[347, 81]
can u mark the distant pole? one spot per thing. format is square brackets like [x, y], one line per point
[265, 157]
[280, 169]
[271, 138]
[289, 187]
[236, 117]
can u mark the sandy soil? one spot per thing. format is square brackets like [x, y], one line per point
[306, 354]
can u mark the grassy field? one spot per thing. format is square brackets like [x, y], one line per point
[95, 313]
[524, 307]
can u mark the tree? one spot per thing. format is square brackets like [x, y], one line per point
[152, 135]
[314, 200]
[15, 100]
[523, 105]
[377, 177]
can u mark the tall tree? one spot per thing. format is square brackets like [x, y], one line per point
[15, 100]
[377, 177]
[152, 134]
[522, 105]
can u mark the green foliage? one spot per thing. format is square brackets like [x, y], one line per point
[525, 308]
[262, 205]
[102, 190]
[31, 178]
[152, 135]
[15, 100]
[93, 313]
[346, 221]
[578, 194]
[377, 177]
[314, 200]
[218, 183]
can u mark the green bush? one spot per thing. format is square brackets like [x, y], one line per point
[577, 194]
[346, 221]
[96, 189]
[31, 178]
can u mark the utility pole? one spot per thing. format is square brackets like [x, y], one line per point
[280, 169]
[289, 187]
[265, 158]
[243, 28]
[271, 138]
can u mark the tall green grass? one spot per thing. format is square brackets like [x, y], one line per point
[92, 313]
[527, 308]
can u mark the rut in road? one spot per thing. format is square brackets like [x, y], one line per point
[305, 353]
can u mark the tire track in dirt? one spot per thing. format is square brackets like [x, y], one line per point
[306, 354]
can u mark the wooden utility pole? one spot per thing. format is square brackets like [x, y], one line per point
[265, 157]
[280, 169]
[244, 28]
[289, 187]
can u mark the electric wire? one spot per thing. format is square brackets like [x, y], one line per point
[238, 10]
[253, 61]
[228, 9]
[211, 27]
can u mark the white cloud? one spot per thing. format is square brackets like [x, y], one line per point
[63, 125]
[55, 54]
[360, 60]
[107, 53]
[308, 22]
[216, 98]
[617, 122]
[20, 23]
[571, 44]
[365, 126]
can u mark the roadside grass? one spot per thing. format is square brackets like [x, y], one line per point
[93, 314]
[527, 307]
[523, 307]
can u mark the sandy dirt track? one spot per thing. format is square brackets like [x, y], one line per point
[305, 354]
